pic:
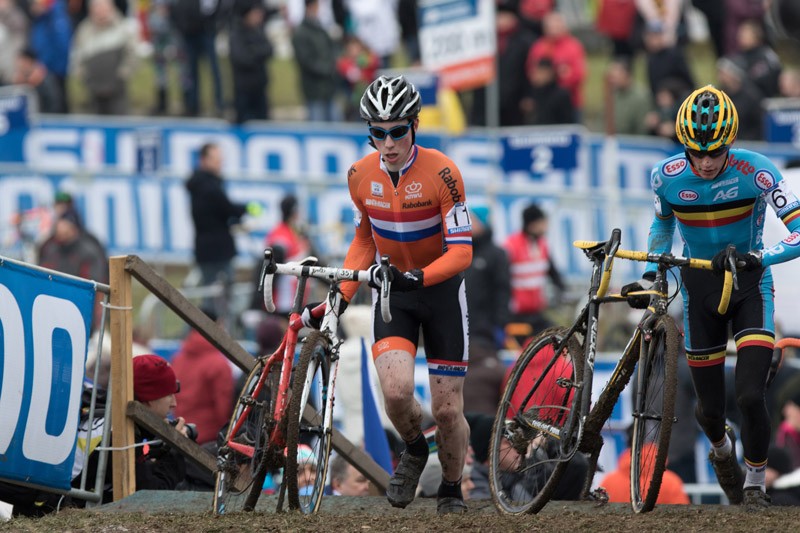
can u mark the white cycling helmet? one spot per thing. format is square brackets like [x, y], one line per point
[390, 99]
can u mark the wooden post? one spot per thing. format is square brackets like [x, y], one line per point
[121, 312]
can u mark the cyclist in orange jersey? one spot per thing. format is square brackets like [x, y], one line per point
[409, 203]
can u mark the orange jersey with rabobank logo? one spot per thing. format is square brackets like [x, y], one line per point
[422, 223]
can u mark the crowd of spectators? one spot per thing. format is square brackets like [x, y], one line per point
[98, 45]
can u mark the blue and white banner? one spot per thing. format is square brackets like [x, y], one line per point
[782, 120]
[127, 177]
[45, 321]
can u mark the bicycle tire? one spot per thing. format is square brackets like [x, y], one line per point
[237, 472]
[654, 411]
[525, 464]
[310, 383]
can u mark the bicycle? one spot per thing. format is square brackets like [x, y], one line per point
[545, 414]
[271, 420]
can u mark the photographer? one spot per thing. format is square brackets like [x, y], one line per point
[158, 465]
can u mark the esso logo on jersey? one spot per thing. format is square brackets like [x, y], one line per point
[688, 196]
[673, 168]
[792, 240]
[765, 180]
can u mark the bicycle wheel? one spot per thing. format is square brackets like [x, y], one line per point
[244, 456]
[654, 410]
[308, 441]
[527, 461]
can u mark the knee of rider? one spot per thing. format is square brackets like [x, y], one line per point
[751, 398]
[707, 416]
[447, 415]
[397, 398]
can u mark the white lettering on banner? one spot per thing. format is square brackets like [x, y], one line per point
[476, 159]
[287, 150]
[179, 219]
[51, 313]
[52, 149]
[13, 366]
[343, 151]
[39, 191]
[150, 191]
[119, 193]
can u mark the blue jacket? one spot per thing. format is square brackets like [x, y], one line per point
[51, 33]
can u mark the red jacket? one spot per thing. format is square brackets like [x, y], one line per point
[569, 60]
[206, 396]
[529, 271]
[293, 247]
[618, 484]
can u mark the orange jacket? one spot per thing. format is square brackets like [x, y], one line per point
[618, 484]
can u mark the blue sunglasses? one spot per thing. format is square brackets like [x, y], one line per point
[396, 133]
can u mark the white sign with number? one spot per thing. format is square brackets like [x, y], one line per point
[457, 40]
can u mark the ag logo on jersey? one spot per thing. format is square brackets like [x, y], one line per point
[764, 180]
[377, 189]
[673, 168]
[730, 194]
[688, 196]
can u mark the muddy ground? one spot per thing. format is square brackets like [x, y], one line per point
[189, 512]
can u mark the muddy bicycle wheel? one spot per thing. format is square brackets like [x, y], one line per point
[530, 446]
[244, 456]
[653, 412]
[308, 440]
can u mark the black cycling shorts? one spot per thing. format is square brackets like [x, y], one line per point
[440, 311]
[750, 314]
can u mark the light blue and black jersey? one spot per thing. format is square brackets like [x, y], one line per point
[730, 209]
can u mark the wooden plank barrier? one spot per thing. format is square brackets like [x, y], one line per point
[125, 410]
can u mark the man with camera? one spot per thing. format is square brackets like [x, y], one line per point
[158, 466]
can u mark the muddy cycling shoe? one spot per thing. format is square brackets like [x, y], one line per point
[403, 484]
[450, 505]
[756, 499]
[729, 473]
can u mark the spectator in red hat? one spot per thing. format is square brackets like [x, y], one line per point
[158, 466]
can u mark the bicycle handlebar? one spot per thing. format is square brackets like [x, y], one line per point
[665, 259]
[306, 267]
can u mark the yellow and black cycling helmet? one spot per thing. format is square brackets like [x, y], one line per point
[707, 120]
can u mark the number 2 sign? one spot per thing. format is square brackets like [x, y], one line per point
[44, 330]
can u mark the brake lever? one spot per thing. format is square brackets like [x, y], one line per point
[730, 258]
[268, 268]
[386, 287]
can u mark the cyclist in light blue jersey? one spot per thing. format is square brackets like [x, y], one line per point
[717, 195]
